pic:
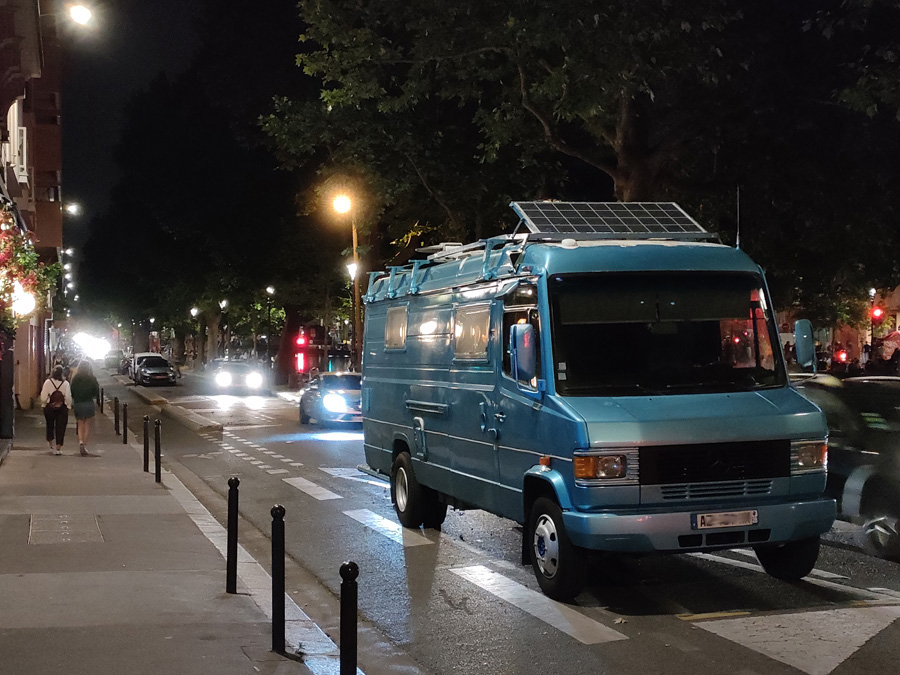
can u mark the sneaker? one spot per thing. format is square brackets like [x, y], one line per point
[84, 451]
[52, 445]
[58, 451]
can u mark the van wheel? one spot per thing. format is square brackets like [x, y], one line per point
[791, 561]
[409, 502]
[304, 418]
[558, 564]
[435, 514]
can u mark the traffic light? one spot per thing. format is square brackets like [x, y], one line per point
[877, 315]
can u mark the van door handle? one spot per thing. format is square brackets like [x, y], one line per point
[500, 417]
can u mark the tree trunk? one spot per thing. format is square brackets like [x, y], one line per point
[212, 336]
[635, 174]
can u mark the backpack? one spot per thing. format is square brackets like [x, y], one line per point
[57, 399]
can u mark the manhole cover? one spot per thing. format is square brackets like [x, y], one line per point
[76, 528]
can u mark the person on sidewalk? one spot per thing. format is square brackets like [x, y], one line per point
[85, 390]
[56, 397]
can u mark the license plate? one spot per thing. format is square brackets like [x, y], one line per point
[705, 521]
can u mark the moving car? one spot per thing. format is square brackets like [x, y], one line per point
[239, 377]
[863, 416]
[154, 370]
[331, 397]
[134, 364]
[113, 358]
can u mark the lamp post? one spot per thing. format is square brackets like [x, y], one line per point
[223, 305]
[343, 204]
[270, 291]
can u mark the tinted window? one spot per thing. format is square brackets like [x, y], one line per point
[154, 362]
[341, 382]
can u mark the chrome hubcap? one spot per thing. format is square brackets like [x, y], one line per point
[546, 546]
[401, 489]
[883, 531]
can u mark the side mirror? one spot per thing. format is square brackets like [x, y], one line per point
[523, 351]
[805, 346]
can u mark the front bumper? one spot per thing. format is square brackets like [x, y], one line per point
[671, 532]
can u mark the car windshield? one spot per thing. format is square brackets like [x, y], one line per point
[235, 367]
[666, 333]
[340, 382]
[154, 362]
[877, 402]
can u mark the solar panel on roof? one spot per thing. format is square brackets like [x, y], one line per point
[642, 220]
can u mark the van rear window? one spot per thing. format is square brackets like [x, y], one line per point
[395, 328]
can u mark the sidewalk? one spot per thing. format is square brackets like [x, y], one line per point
[104, 571]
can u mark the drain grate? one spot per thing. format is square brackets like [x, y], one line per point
[76, 528]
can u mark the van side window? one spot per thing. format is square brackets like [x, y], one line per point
[472, 330]
[395, 328]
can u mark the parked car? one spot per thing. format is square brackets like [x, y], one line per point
[113, 358]
[331, 397]
[155, 370]
[134, 364]
[863, 416]
[239, 377]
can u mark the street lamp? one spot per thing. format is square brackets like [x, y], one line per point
[80, 14]
[270, 291]
[73, 209]
[343, 204]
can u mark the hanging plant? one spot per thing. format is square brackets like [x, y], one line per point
[20, 271]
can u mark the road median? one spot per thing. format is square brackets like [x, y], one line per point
[183, 416]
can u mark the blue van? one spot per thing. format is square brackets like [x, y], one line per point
[609, 377]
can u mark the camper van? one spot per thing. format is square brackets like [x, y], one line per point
[608, 376]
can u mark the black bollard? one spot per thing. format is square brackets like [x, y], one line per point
[101, 400]
[157, 451]
[278, 578]
[146, 443]
[116, 413]
[231, 547]
[125, 424]
[349, 572]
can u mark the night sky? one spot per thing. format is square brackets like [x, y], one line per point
[129, 44]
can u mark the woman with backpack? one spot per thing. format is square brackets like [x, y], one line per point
[85, 390]
[56, 396]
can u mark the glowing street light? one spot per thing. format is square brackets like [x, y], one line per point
[69, 251]
[80, 14]
[23, 302]
[73, 209]
[194, 312]
[351, 270]
[223, 304]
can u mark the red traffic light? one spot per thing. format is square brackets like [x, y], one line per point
[877, 314]
[301, 340]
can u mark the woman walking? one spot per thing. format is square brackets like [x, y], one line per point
[85, 390]
[56, 396]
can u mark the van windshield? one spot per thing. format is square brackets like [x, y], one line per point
[662, 333]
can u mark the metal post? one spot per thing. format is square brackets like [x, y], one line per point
[125, 424]
[278, 578]
[146, 443]
[231, 546]
[101, 400]
[349, 573]
[116, 413]
[157, 453]
[357, 309]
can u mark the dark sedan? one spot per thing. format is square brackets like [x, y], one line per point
[863, 453]
[331, 397]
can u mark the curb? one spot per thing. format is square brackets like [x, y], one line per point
[186, 418]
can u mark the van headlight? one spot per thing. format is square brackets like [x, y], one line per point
[619, 466]
[334, 403]
[808, 456]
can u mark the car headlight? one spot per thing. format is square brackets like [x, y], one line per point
[223, 379]
[254, 380]
[334, 403]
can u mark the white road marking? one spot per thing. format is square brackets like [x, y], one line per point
[255, 462]
[850, 590]
[558, 615]
[296, 464]
[268, 452]
[274, 471]
[886, 591]
[388, 528]
[310, 488]
[287, 459]
[355, 474]
[239, 454]
[813, 642]
[233, 452]
[277, 456]
[816, 572]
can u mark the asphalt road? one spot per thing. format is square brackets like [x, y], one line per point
[459, 601]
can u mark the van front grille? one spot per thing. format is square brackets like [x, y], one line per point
[742, 488]
[715, 462]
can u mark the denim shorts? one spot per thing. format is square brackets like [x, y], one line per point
[83, 410]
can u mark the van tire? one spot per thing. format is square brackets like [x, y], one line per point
[407, 494]
[791, 561]
[559, 565]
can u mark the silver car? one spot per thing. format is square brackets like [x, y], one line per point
[154, 370]
[332, 397]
